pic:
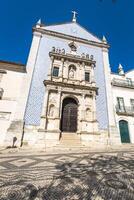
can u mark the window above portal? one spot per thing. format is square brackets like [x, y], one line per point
[87, 76]
[56, 71]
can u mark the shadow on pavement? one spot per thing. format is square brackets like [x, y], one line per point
[103, 178]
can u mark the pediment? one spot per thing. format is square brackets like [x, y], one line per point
[73, 29]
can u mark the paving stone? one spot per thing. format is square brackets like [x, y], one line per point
[69, 176]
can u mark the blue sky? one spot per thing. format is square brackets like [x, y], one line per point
[101, 17]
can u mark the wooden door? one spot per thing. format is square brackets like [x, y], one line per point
[124, 131]
[69, 115]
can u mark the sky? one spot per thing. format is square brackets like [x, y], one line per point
[112, 18]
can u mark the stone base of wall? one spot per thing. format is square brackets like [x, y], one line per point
[14, 133]
[39, 138]
[114, 136]
[35, 137]
[98, 138]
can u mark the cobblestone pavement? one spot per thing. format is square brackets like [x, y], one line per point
[104, 176]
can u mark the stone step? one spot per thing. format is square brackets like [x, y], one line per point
[70, 144]
[70, 136]
[61, 146]
[70, 140]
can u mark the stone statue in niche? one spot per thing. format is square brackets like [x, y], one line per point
[71, 73]
[51, 111]
[88, 114]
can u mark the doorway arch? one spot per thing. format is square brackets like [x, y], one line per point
[124, 131]
[69, 115]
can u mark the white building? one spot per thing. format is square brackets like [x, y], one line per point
[12, 76]
[123, 100]
[64, 94]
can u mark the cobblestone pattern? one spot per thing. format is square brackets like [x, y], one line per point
[67, 177]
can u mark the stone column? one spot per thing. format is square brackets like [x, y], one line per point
[65, 71]
[81, 113]
[94, 116]
[78, 74]
[94, 107]
[59, 100]
[43, 124]
[61, 69]
[59, 107]
[50, 71]
[83, 72]
[92, 79]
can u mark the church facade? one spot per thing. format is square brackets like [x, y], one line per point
[65, 91]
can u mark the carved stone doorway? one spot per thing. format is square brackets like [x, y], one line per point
[69, 115]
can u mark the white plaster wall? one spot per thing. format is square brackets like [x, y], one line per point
[127, 94]
[11, 83]
[130, 74]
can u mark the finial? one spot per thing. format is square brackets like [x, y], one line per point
[74, 16]
[104, 39]
[121, 70]
[38, 24]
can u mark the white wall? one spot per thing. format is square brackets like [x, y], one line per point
[127, 94]
[11, 83]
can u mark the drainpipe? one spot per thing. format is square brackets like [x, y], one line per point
[22, 134]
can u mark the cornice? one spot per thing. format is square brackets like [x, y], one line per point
[72, 57]
[69, 85]
[12, 66]
[69, 37]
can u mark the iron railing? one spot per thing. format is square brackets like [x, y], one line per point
[123, 83]
[125, 110]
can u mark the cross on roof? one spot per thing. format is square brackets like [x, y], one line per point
[74, 16]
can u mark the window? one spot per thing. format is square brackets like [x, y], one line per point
[87, 76]
[55, 71]
[121, 104]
